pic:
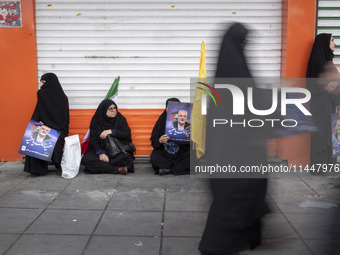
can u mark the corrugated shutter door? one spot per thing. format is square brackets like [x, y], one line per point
[154, 46]
[329, 22]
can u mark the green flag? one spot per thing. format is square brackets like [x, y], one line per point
[113, 91]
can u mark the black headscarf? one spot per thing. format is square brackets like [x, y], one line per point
[52, 106]
[159, 128]
[100, 122]
[231, 61]
[320, 55]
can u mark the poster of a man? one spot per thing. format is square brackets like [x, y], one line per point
[178, 127]
[39, 141]
[181, 123]
[335, 135]
[337, 130]
[40, 135]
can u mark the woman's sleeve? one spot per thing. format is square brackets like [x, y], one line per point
[94, 142]
[155, 135]
[36, 115]
[124, 131]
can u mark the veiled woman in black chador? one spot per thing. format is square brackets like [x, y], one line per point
[53, 111]
[233, 222]
[324, 96]
[107, 121]
[168, 157]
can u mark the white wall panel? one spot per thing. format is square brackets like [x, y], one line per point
[329, 22]
[154, 46]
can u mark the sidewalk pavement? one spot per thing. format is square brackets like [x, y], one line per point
[143, 213]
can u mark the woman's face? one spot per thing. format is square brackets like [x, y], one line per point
[42, 82]
[111, 111]
[332, 44]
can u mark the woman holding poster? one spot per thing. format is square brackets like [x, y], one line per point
[52, 111]
[325, 97]
[168, 157]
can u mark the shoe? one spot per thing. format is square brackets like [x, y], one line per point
[164, 171]
[122, 170]
[34, 175]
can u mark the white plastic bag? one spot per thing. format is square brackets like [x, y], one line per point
[70, 161]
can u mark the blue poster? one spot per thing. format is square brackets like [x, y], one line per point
[297, 122]
[178, 125]
[335, 125]
[39, 141]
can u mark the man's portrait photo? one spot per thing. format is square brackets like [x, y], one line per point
[181, 123]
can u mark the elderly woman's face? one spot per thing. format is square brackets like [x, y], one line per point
[111, 111]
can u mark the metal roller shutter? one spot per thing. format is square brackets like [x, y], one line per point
[329, 22]
[154, 46]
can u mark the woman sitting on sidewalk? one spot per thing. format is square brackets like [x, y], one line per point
[107, 121]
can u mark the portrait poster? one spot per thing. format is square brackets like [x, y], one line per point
[10, 13]
[335, 126]
[178, 126]
[294, 122]
[39, 141]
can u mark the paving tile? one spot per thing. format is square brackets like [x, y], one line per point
[13, 220]
[65, 222]
[130, 223]
[183, 224]
[49, 244]
[280, 247]
[9, 182]
[181, 246]
[82, 199]
[27, 198]
[95, 182]
[155, 181]
[326, 246]
[188, 201]
[298, 204]
[6, 241]
[138, 199]
[275, 226]
[50, 182]
[310, 226]
[108, 245]
[187, 183]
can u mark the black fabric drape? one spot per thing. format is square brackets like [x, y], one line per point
[233, 221]
[52, 109]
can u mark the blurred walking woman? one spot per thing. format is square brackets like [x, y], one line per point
[107, 121]
[324, 99]
[51, 110]
[234, 219]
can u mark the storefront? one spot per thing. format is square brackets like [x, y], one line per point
[153, 46]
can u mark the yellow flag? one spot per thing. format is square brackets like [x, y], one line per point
[198, 121]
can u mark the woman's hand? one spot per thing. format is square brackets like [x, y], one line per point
[164, 139]
[331, 86]
[104, 157]
[105, 133]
